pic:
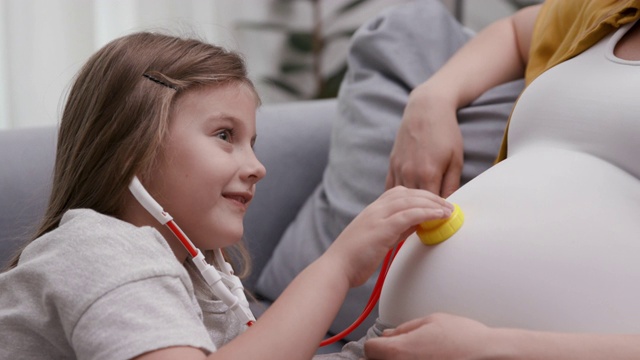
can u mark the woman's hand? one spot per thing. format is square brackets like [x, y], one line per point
[428, 152]
[438, 336]
[379, 227]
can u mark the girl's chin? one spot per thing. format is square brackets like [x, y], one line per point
[219, 241]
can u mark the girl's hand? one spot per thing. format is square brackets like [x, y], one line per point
[438, 336]
[428, 152]
[380, 226]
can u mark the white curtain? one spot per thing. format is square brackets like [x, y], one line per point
[43, 43]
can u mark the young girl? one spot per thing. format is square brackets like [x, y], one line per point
[105, 278]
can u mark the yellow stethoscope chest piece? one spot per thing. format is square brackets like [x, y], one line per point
[436, 231]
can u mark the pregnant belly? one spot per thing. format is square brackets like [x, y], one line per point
[551, 241]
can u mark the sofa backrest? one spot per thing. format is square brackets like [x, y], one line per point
[26, 167]
[293, 144]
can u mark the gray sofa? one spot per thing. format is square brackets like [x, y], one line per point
[293, 144]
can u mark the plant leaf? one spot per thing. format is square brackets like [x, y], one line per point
[340, 34]
[350, 6]
[282, 85]
[252, 25]
[332, 84]
[301, 41]
[291, 68]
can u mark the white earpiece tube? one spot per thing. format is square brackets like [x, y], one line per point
[145, 199]
[217, 285]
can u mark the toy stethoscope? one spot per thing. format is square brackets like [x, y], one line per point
[228, 287]
[430, 232]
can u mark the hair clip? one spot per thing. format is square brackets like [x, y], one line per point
[160, 82]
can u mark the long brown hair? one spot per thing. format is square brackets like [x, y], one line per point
[116, 117]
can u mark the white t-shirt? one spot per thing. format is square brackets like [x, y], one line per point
[100, 288]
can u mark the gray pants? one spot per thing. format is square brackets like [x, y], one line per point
[389, 56]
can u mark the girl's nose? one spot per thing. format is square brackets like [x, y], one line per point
[255, 170]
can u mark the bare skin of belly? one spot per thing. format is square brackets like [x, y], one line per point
[628, 48]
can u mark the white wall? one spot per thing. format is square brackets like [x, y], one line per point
[44, 43]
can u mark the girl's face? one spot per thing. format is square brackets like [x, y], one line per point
[206, 173]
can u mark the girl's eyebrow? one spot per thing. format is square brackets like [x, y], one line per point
[222, 116]
[221, 119]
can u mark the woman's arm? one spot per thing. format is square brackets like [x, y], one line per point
[497, 55]
[428, 153]
[443, 336]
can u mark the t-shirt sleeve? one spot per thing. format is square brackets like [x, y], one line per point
[140, 317]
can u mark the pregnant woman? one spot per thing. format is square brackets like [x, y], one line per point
[546, 263]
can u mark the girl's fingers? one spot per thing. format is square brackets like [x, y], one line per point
[401, 192]
[404, 200]
[415, 216]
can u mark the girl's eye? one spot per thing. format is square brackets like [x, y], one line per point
[225, 135]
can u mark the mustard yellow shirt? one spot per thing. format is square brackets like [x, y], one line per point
[566, 28]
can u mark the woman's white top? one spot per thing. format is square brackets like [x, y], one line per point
[551, 238]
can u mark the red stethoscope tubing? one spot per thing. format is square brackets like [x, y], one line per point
[373, 299]
[371, 303]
